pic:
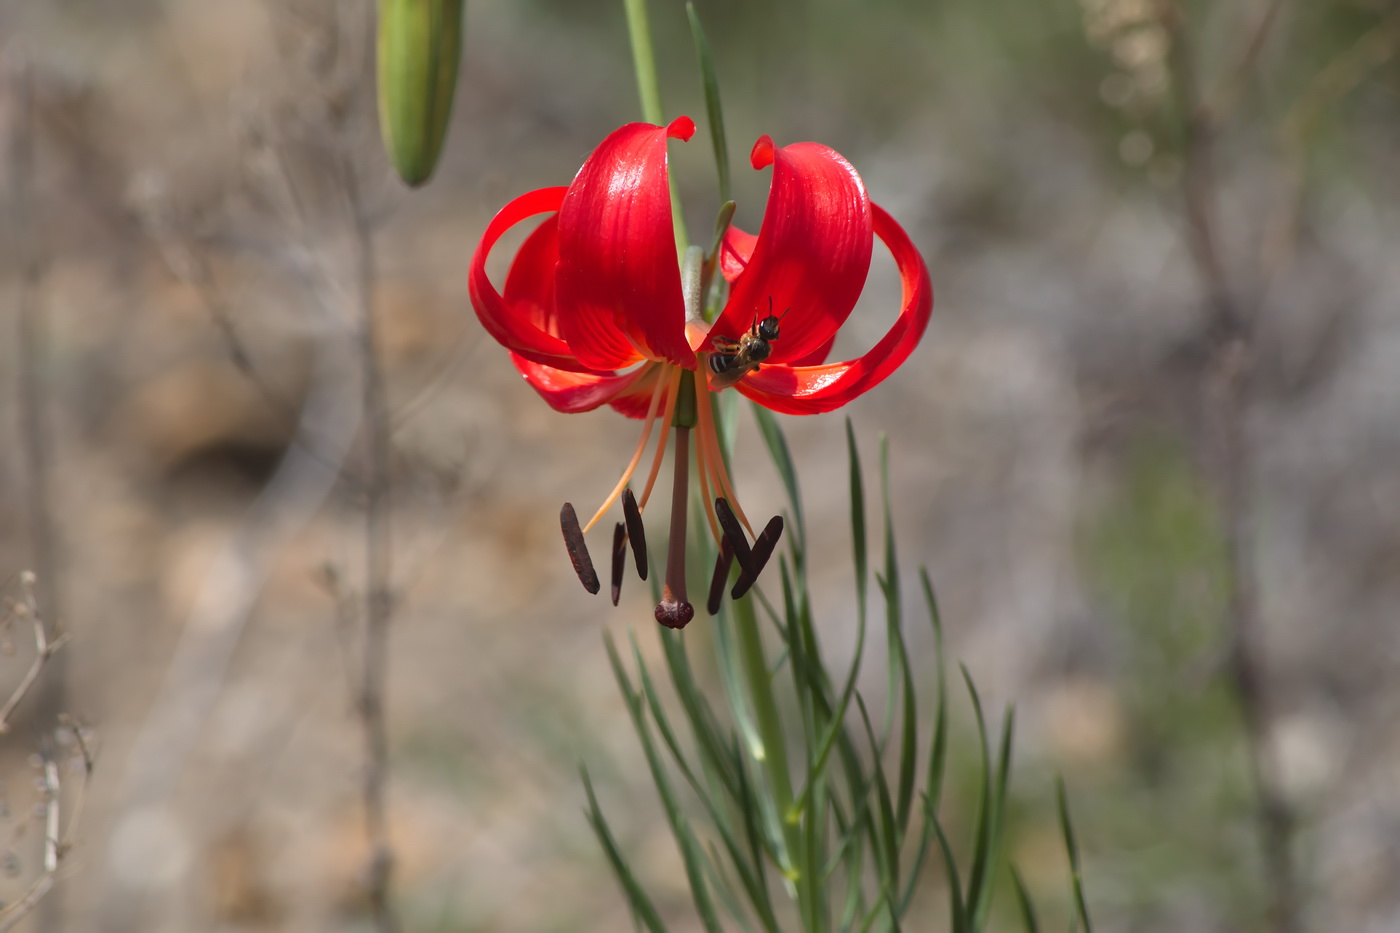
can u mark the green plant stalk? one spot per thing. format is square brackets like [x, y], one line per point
[774, 747]
[649, 90]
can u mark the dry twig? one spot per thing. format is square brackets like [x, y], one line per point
[58, 841]
[26, 608]
[1232, 310]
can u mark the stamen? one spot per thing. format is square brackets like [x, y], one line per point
[666, 418]
[656, 394]
[735, 536]
[723, 562]
[636, 532]
[578, 551]
[715, 457]
[762, 550]
[619, 559]
[675, 610]
[703, 470]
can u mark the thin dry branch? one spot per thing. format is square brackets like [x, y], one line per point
[26, 608]
[58, 839]
[379, 599]
[1231, 313]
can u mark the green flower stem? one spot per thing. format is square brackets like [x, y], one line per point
[649, 89]
[774, 747]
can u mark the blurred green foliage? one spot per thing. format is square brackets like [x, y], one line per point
[1175, 809]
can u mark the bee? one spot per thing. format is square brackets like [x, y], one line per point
[734, 359]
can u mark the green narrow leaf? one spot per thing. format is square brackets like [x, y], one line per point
[857, 519]
[885, 842]
[889, 588]
[855, 863]
[802, 670]
[938, 751]
[957, 909]
[982, 906]
[713, 110]
[704, 727]
[719, 816]
[689, 845]
[1023, 900]
[782, 459]
[772, 754]
[724, 889]
[759, 844]
[642, 907]
[911, 882]
[835, 724]
[726, 654]
[980, 874]
[1081, 907]
[884, 907]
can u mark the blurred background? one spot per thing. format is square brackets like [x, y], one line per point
[1164, 363]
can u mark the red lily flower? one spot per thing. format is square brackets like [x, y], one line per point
[593, 312]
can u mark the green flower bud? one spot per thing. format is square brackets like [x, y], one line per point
[420, 46]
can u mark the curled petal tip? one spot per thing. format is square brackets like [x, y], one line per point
[681, 128]
[762, 154]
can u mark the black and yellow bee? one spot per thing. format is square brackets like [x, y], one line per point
[733, 359]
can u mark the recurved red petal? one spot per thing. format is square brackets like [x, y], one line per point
[735, 252]
[806, 390]
[517, 325]
[812, 253]
[618, 285]
[530, 284]
[573, 392]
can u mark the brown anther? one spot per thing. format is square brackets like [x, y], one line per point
[636, 531]
[763, 547]
[734, 534]
[722, 564]
[619, 560]
[673, 613]
[578, 551]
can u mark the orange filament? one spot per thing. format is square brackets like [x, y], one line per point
[702, 468]
[637, 455]
[709, 442]
[667, 417]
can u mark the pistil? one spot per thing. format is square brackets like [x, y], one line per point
[675, 610]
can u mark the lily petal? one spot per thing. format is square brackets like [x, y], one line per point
[806, 390]
[735, 252]
[812, 253]
[572, 392]
[529, 287]
[619, 287]
[517, 327]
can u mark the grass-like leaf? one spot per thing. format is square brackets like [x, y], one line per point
[997, 811]
[691, 853]
[782, 460]
[713, 110]
[886, 839]
[749, 872]
[637, 898]
[1081, 907]
[981, 872]
[1023, 901]
[857, 519]
[957, 909]
[938, 751]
